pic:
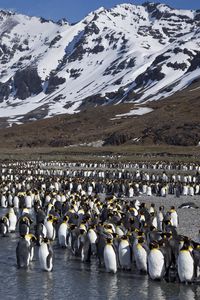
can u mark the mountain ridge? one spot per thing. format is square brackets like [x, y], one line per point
[127, 54]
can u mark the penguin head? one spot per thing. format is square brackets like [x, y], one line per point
[153, 245]
[82, 228]
[31, 237]
[46, 240]
[124, 237]
[187, 246]
[141, 240]
[140, 234]
[166, 235]
[195, 245]
[161, 208]
[66, 218]
[109, 241]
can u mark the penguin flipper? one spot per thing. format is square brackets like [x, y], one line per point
[49, 258]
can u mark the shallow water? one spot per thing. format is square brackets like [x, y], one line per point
[72, 279]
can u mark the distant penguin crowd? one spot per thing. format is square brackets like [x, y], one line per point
[89, 210]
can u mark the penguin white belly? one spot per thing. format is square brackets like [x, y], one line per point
[4, 202]
[12, 222]
[50, 231]
[92, 236]
[154, 222]
[140, 258]
[110, 259]
[149, 191]
[163, 192]
[185, 191]
[174, 219]
[28, 201]
[44, 259]
[119, 231]
[185, 266]
[160, 221]
[191, 191]
[155, 262]
[124, 255]
[10, 200]
[16, 202]
[62, 234]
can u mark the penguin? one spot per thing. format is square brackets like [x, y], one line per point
[174, 217]
[124, 253]
[188, 205]
[4, 201]
[45, 254]
[31, 239]
[84, 245]
[40, 232]
[156, 262]
[24, 225]
[160, 218]
[185, 264]
[12, 220]
[110, 258]
[62, 232]
[23, 253]
[100, 244]
[4, 225]
[92, 236]
[16, 202]
[49, 224]
[140, 253]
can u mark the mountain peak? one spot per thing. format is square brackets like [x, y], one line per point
[129, 53]
[62, 22]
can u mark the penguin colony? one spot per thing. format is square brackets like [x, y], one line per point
[49, 203]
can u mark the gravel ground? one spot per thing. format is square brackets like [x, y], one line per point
[189, 219]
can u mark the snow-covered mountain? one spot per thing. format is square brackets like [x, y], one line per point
[126, 54]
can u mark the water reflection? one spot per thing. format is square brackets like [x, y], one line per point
[186, 292]
[156, 291]
[111, 286]
[72, 280]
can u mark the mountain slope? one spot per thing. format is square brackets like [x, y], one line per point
[126, 54]
[173, 121]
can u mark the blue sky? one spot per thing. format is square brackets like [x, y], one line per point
[75, 10]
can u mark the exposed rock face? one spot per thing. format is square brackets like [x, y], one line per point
[53, 83]
[26, 83]
[6, 89]
[117, 139]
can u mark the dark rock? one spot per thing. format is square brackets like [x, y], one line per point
[53, 83]
[54, 41]
[97, 49]
[117, 139]
[27, 82]
[177, 66]
[75, 73]
[195, 63]
[153, 74]
[5, 90]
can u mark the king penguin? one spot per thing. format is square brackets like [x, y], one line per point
[156, 262]
[63, 232]
[185, 264]
[23, 253]
[45, 254]
[12, 220]
[110, 259]
[4, 224]
[124, 252]
[141, 251]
